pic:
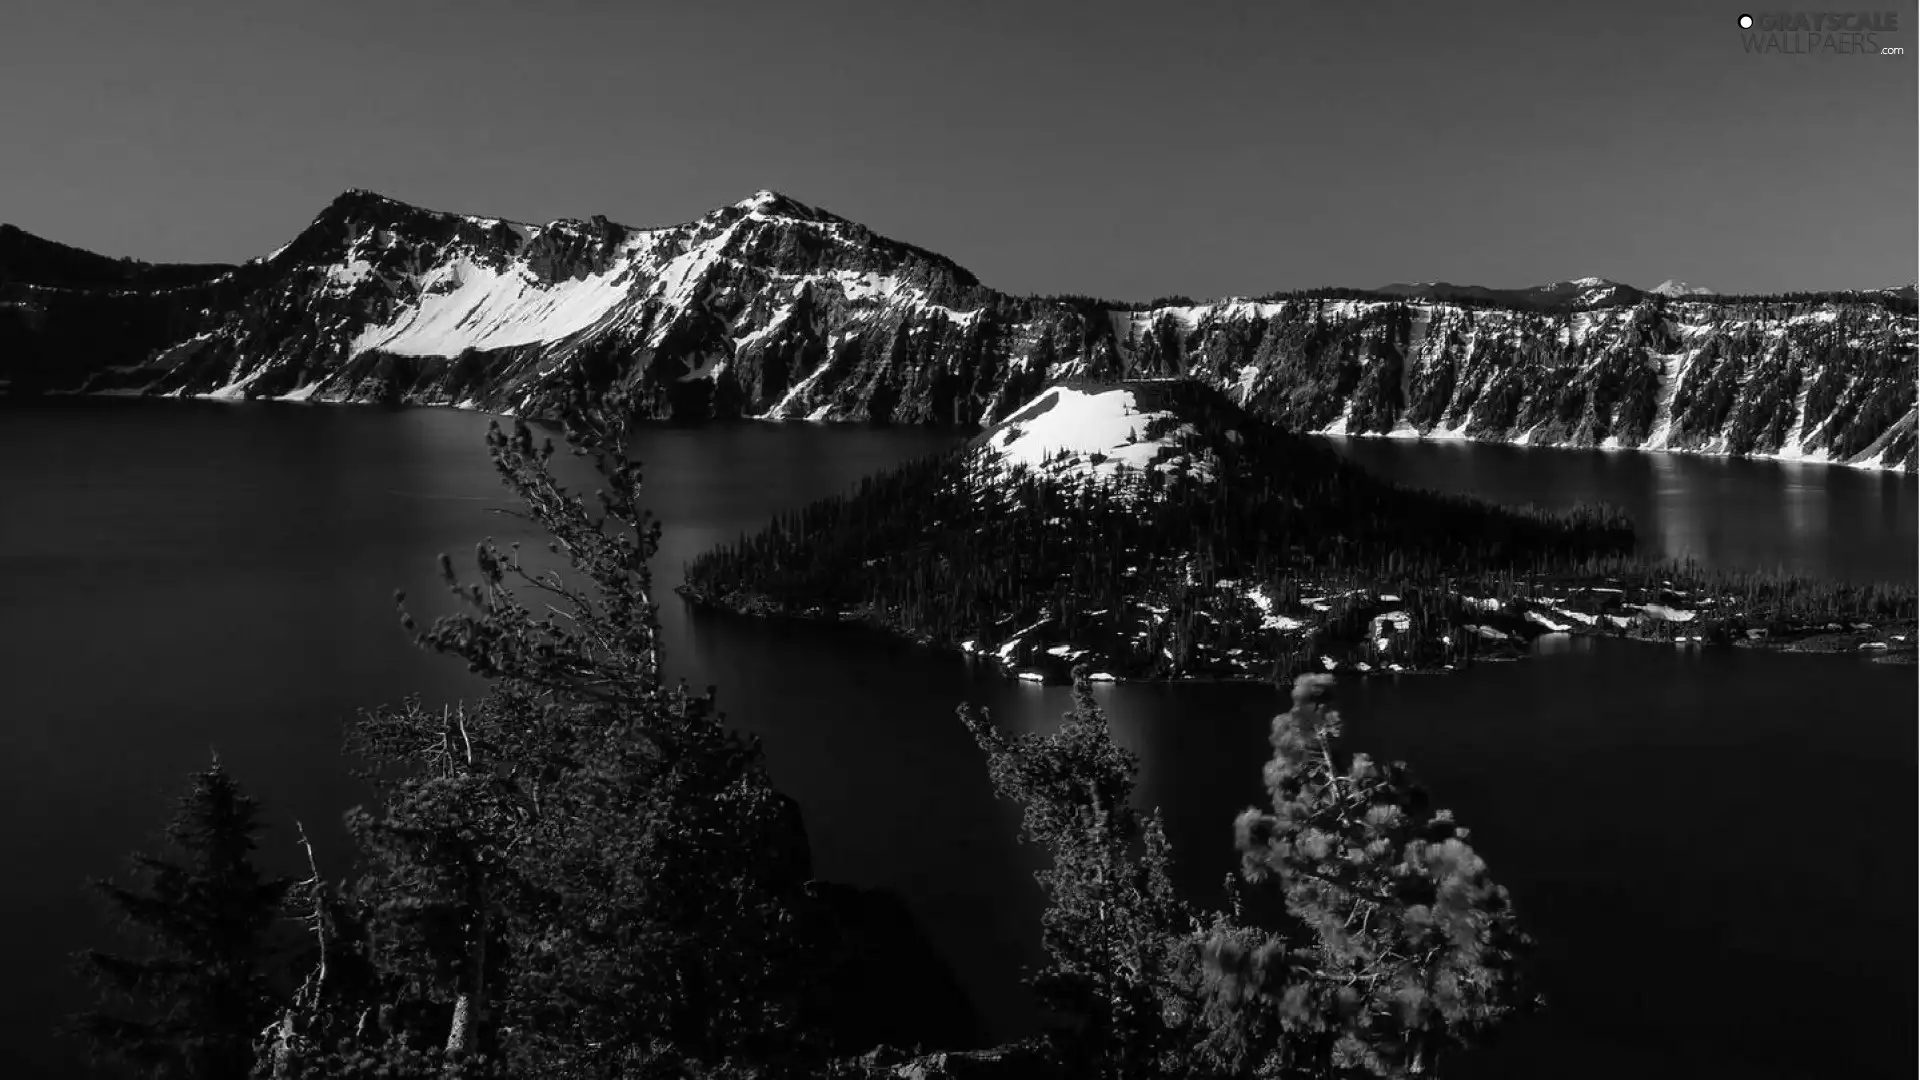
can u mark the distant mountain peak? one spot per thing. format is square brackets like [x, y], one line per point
[1581, 283]
[358, 202]
[764, 199]
[1676, 287]
[775, 204]
[366, 195]
[1584, 291]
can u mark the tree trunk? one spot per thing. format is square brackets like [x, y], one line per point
[282, 1046]
[457, 1034]
[470, 1008]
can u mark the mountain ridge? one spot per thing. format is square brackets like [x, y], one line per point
[771, 308]
[1676, 287]
[769, 199]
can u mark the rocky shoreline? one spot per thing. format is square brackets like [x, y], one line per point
[1503, 633]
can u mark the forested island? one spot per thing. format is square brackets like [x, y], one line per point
[1154, 529]
[587, 875]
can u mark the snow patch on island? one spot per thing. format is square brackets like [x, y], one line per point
[1073, 434]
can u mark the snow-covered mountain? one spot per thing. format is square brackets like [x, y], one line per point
[1585, 292]
[776, 309]
[1554, 295]
[1676, 287]
[377, 299]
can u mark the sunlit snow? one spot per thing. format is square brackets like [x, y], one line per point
[1099, 432]
[468, 306]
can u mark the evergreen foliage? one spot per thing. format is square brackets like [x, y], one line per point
[1395, 948]
[205, 912]
[1413, 951]
[585, 874]
[1122, 972]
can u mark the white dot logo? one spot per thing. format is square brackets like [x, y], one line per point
[1746, 22]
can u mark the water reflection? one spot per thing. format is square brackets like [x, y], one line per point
[1560, 644]
[1680, 519]
[1821, 520]
[1807, 510]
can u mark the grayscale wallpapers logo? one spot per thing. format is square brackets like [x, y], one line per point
[1808, 33]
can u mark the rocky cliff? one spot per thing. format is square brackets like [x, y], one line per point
[770, 308]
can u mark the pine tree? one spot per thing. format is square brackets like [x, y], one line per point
[1409, 950]
[1122, 948]
[330, 1008]
[201, 990]
[586, 874]
[436, 878]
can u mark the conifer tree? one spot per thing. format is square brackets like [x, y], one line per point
[436, 852]
[1409, 952]
[585, 874]
[1394, 948]
[1122, 948]
[204, 911]
[332, 1005]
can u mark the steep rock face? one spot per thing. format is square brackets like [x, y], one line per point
[1827, 382]
[769, 308]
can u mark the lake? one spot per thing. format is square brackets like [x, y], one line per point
[1713, 848]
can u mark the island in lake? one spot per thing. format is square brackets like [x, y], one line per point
[1155, 529]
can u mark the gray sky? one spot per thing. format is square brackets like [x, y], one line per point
[1120, 148]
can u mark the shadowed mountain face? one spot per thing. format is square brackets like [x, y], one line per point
[770, 308]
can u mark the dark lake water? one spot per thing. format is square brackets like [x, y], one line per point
[1713, 848]
[1808, 519]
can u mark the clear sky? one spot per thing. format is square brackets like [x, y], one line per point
[1118, 148]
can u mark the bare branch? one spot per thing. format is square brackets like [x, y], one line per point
[461, 718]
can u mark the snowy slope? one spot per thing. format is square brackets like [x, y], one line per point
[1675, 287]
[1099, 435]
[724, 314]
